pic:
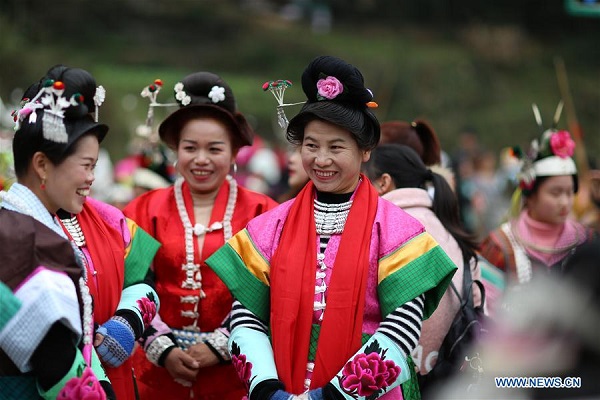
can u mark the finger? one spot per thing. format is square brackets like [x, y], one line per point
[189, 361]
[98, 339]
[183, 382]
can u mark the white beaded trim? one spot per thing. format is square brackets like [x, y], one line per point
[157, 347]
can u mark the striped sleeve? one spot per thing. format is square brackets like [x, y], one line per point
[403, 325]
[241, 316]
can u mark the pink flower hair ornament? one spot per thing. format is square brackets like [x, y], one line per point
[329, 88]
[561, 144]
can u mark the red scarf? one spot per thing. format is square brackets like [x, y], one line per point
[293, 269]
[105, 245]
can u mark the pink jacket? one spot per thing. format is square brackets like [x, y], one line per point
[417, 203]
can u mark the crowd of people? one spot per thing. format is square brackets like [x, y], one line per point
[207, 265]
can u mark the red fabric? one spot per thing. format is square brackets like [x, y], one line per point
[105, 246]
[293, 268]
[156, 213]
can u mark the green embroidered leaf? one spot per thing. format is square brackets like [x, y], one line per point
[235, 349]
[373, 348]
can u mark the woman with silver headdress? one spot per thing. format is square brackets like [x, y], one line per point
[46, 323]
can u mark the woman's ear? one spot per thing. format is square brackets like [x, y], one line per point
[386, 184]
[39, 164]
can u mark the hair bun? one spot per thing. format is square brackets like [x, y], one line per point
[76, 81]
[352, 89]
[205, 88]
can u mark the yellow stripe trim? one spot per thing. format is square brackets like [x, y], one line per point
[251, 257]
[403, 256]
[132, 226]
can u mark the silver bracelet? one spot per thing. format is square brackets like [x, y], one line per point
[157, 347]
[218, 341]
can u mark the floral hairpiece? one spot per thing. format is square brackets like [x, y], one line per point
[551, 155]
[181, 95]
[217, 94]
[50, 98]
[151, 92]
[277, 88]
[99, 97]
[329, 88]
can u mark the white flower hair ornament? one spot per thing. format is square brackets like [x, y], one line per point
[181, 95]
[216, 94]
[50, 99]
[99, 97]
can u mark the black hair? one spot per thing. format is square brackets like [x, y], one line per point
[347, 109]
[540, 179]
[407, 170]
[197, 86]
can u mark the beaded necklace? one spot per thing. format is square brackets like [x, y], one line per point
[193, 275]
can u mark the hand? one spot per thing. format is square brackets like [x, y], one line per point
[115, 341]
[203, 355]
[181, 366]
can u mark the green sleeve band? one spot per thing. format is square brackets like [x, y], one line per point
[430, 274]
[244, 286]
[141, 254]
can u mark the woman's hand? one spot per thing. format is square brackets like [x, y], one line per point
[181, 366]
[203, 355]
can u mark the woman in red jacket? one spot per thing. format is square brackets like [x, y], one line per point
[186, 350]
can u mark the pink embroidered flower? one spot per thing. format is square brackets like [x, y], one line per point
[329, 88]
[85, 387]
[562, 145]
[148, 310]
[367, 374]
[243, 368]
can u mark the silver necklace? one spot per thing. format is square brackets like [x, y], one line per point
[192, 270]
[331, 218]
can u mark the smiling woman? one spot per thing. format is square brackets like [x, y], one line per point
[336, 278]
[185, 350]
[45, 342]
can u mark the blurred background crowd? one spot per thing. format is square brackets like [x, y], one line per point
[471, 69]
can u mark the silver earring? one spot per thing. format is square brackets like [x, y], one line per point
[175, 164]
[234, 168]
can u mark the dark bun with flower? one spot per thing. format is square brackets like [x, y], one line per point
[336, 93]
[56, 111]
[204, 94]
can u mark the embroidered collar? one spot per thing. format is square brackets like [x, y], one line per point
[21, 199]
